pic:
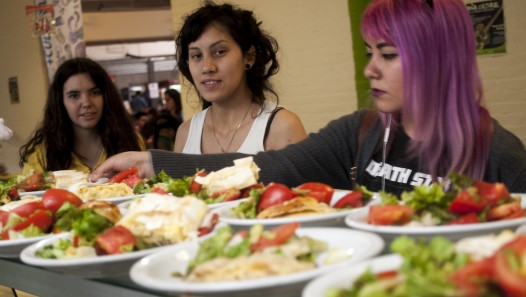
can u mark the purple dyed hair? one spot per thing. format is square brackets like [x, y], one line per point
[442, 87]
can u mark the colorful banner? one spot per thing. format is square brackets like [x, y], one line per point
[60, 28]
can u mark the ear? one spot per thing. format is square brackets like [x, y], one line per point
[250, 56]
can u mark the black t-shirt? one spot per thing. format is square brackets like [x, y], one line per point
[399, 166]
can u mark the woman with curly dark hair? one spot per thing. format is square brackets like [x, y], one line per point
[84, 122]
[229, 59]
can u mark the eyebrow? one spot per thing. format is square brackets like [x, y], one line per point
[379, 45]
[78, 91]
[211, 46]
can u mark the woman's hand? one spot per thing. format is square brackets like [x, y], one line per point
[122, 161]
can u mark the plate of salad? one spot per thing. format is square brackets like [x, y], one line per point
[254, 262]
[98, 247]
[435, 268]
[312, 204]
[28, 220]
[466, 209]
[216, 188]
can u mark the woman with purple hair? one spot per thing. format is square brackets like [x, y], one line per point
[429, 119]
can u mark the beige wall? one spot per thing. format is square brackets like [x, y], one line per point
[20, 56]
[504, 76]
[317, 74]
[106, 26]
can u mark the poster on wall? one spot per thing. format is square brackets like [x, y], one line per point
[65, 39]
[488, 23]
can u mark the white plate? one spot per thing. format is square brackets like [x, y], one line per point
[11, 248]
[344, 278]
[125, 205]
[334, 219]
[119, 200]
[357, 219]
[109, 266]
[156, 270]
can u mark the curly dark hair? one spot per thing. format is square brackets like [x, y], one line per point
[56, 130]
[245, 30]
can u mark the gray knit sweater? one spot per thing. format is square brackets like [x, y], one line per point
[328, 155]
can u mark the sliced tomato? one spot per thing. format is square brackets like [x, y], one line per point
[322, 192]
[492, 192]
[196, 187]
[13, 194]
[27, 209]
[53, 199]
[115, 240]
[467, 201]
[510, 269]
[33, 182]
[4, 216]
[132, 180]
[350, 200]
[41, 219]
[273, 194]
[504, 211]
[159, 191]
[470, 218]
[281, 235]
[228, 195]
[387, 274]
[471, 278]
[389, 214]
[119, 177]
[203, 230]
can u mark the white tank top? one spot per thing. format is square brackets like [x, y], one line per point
[253, 142]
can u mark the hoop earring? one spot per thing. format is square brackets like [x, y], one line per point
[247, 66]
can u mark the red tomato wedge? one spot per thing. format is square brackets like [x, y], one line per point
[132, 180]
[196, 187]
[471, 278]
[203, 230]
[492, 192]
[282, 234]
[350, 200]
[159, 191]
[119, 177]
[467, 201]
[510, 270]
[41, 219]
[115, 240]
[4, 216]
[273, 194]
[27, 209]
[470, 218]
[322, 192]
[53, 199]
[389, 214]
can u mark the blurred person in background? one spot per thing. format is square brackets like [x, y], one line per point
[173, 104]
[84, 122]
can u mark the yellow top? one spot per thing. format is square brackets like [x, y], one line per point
[37, 160]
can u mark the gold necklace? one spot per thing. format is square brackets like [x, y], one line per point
[235, 132]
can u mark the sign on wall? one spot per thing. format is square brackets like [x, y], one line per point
[488, 23]
[60, 30]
